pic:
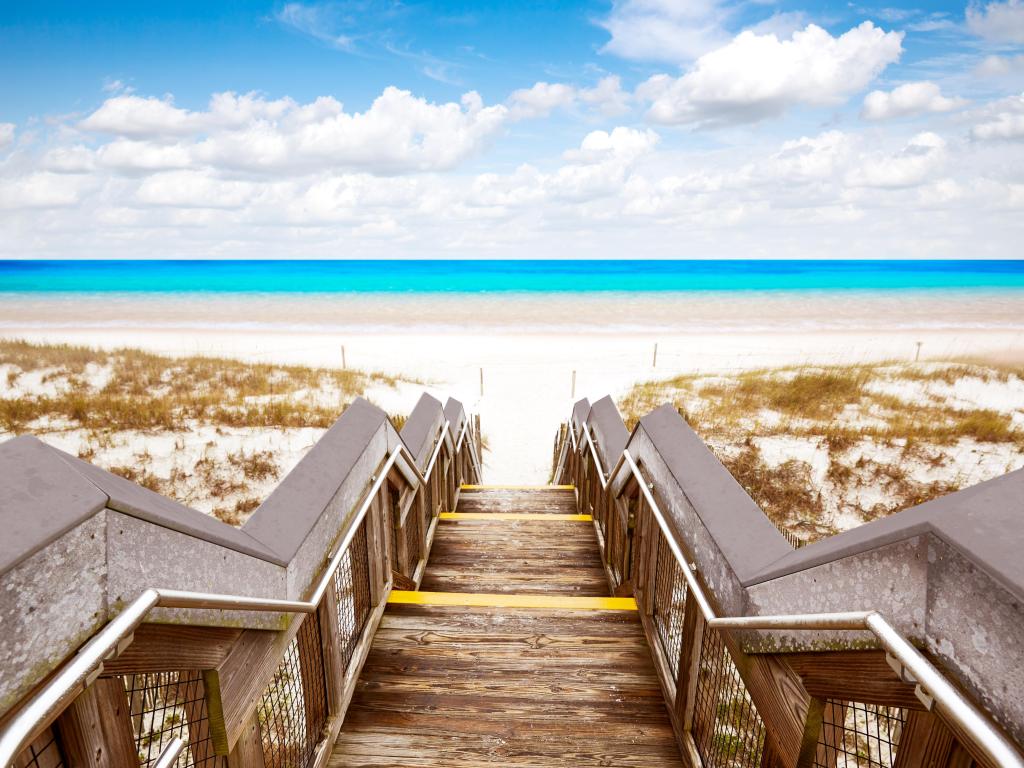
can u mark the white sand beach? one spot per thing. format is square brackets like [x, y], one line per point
[531, 349]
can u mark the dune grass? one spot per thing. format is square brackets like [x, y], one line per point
[129, 389]
[115, 405]
[854, 414]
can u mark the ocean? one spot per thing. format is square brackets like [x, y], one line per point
[482, 277]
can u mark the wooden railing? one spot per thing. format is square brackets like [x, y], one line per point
[732, 708]
[251, 697]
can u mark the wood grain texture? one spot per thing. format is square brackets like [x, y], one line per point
[478, 686]
[521, 556]
[170, 647]
[446, 686]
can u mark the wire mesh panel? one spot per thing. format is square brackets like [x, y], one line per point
[859, 735]
[727, 729]
[293, 709]
[168, 704]
[669, 604]
[44, 752]
[352, 593]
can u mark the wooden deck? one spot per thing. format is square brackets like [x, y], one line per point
[473, 686]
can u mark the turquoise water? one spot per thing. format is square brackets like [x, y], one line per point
[282, 277]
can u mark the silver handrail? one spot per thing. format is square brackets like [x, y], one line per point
[932, 686]
[87, 664]
[169, 756]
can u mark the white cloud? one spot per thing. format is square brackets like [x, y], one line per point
[194, 189]
[759, 76]
[316, 21]
[607, 97]
[911, 166]
[1001, 22]
[675, 31]
[908, 99]
[281, 179]
[141, 117]
[399, 132]
[540, 100]
[996, 66]
[1003, 119]
[6, 135]
[40, 190]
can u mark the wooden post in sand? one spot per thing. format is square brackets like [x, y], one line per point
[481, 382]
[573, 394]
[344, 365]
[917, 355]
[654, 364]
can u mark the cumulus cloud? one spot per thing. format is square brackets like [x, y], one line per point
[1001, 22]
[996, 66]
[665, 30]
[759, 76]
[399, 132]
[914, 164]
[541, 99]
[6, 135]
[607, 98]
[1003, 119]
[908, 99]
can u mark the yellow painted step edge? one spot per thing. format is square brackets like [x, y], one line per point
[467, 487]
[489, 600]
[539, 518]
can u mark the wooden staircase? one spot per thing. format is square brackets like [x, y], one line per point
[512, 654]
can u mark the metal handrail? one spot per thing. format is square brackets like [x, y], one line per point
[169, 756]
[87, 664]
[931, 685]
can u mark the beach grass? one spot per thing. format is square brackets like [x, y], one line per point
[130, 389]
[214, 433]
[849, 443]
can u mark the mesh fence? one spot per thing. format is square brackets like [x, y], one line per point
[727, 729]
[168, 704]
[669, 603]
[44, 752]
[293, 709]
[352, 593]
[858, 735]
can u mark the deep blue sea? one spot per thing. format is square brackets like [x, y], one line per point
[281, 277]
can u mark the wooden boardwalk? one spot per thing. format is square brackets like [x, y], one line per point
[450, 685]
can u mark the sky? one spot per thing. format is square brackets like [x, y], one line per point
[632, 128]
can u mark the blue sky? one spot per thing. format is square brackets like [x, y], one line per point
[676, 128]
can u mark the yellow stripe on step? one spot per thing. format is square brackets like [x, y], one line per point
[539, 517]
[489, 600]
[466, 487]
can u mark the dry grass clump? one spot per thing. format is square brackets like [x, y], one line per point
[223, 431]
[889, 436]
[145, 391]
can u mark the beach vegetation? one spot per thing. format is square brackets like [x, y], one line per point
[214, 433]
[823, 448]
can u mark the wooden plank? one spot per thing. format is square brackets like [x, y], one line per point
[925, 742]
[852, 676]
[248, 749]
[831, 739]
[96, 729]
[234, 689]
[781, 700]
[507, 687]
[171, 647]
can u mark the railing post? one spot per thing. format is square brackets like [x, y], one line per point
[694, 626]
[96, 729]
